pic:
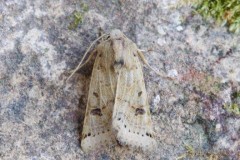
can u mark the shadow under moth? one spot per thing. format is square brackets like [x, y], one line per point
[117, 106]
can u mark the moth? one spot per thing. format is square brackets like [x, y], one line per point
[117, 106]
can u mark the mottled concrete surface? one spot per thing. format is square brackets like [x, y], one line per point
[43, 40]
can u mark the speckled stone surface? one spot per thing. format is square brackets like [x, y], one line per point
[41, 117]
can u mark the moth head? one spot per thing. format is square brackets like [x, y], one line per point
[116, 34]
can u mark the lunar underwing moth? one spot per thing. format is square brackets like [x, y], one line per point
[117, 107]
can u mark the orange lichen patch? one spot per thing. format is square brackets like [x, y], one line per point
[193, 75]
[202, 81]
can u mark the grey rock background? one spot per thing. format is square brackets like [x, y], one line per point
[41, 116]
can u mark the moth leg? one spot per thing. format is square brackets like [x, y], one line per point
[141, 55]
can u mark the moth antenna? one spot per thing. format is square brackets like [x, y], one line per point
[85, 54]
[141, 55]
[87, 59]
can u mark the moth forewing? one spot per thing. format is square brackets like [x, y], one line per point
[131, 113]
[117, 107]
[97, 128]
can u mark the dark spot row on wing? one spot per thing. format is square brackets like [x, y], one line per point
[147, 134]
[93, 135]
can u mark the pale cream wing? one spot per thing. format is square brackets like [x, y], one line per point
[97, 128]
[131, 115]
